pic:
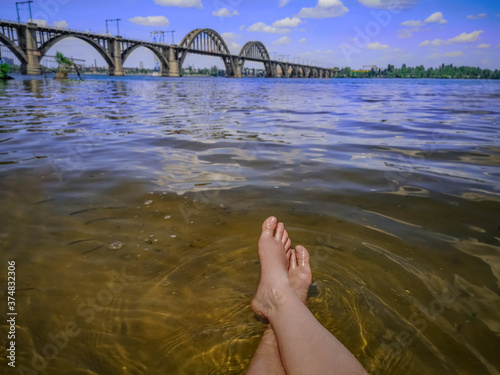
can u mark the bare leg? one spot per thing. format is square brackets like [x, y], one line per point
[267, 358]
[306, 347]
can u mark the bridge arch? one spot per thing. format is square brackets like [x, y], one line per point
[284, 69]
[44, 48]
[256, 50]
[164, 61]
[206, 42]
[298, 71]
[16, 50]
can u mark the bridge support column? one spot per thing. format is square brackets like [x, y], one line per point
[272, 70]
[174, 69]
[116, 54]
[164, 71]
[164, 68]
[238, 73]
[27, 41]
[284, 70]
[237, 63]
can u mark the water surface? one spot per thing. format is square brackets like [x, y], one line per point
[132, 207]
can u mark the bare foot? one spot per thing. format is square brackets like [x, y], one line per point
[299, 272]
[274, 264]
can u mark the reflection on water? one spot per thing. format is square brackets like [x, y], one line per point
[132, 209]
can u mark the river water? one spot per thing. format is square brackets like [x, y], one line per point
[132, 207]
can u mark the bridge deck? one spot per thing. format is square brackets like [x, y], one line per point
[106, 45]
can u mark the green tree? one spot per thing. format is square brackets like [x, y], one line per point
[64, 66]
[4, 70]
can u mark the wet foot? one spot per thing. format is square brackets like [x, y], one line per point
[299, 272]
[274, 285]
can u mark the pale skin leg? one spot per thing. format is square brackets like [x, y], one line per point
[267, 358]
[305, 346]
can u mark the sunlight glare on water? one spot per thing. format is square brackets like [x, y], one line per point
[132, 208]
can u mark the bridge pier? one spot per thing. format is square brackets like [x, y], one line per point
[164, 72]
[27, 41]
[238, 63]
[239, 72]
[164, 67]
[116, 54]
[271, 69]
[173, 62]
[284, 70]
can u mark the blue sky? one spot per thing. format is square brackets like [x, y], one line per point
[331, 33]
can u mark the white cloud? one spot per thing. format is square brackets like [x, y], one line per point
[62, 24]
[180, 3]
[479, 16]
[412, 23]
[324, 9]
[433, 56]
[242, 27]
[261, 26]
[388, 4]
[466, 38]
[283, 3]
[40, 22]
[484, 45]
[462, 38]
[303, 40]
[234, 47]
[150, 21]
[415, 25]
[454, 54]
[435, 18]
[328, 51]
[288, 22]
[377, 46]
[282, 41]
[224, 12]
[435, 43]
[404, 34]
[229, 36]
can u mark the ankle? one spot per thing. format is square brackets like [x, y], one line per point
[278, 297]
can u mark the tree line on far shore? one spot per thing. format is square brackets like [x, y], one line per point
[444, 71]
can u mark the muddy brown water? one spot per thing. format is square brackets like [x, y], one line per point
[132, 208]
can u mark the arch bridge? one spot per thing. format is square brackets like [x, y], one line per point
[30, 42]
